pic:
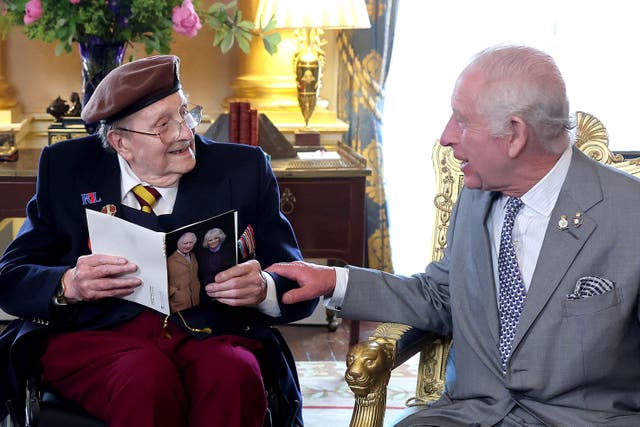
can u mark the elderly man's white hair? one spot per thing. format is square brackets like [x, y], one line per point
[187, 234]
[525, 82]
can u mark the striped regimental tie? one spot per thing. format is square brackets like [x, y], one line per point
[147, 197]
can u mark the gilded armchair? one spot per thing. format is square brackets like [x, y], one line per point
[369, 363]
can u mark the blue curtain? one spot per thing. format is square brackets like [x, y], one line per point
[364, 63]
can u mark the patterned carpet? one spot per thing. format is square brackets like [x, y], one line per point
[328, 401]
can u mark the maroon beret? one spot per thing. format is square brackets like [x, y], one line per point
[133, 86]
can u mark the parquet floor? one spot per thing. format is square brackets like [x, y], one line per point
[317, 343]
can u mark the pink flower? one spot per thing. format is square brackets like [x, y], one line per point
[74, 1]
[32, 11]
[185, 19]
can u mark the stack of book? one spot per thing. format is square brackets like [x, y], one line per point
[243, 123]
[235, 127]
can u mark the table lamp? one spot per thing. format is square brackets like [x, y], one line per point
[309, 19]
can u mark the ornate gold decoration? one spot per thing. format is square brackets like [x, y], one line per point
[308, 63]
[431, 371]
[367, 85]
[369, 366]
[449, 181]
[374, 189]
[593, 139]
[10, 110]
[391, 331]
[8, 98]
[372, 63]
[376, 9]
[378, 249]
[287, 201]
[630, 166]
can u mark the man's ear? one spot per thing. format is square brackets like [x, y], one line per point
[519, 137]
[119, 144]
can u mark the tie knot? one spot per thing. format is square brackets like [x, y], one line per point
[513, 206]
[147, 196]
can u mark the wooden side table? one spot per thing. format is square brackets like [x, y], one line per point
[324, 201]
[18, 183]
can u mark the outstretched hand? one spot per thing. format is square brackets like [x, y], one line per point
[314, 280]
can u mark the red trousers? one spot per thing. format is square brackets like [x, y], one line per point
[132, 375]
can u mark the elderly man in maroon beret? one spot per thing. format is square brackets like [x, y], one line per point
[123, 363]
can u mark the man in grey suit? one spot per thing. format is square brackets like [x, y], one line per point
[540, 278]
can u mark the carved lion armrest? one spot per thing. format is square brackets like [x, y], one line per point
[369, 366]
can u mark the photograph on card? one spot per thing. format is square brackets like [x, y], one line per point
[196, 253]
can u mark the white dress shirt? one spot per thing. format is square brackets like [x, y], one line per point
[128, 180]
[164, 206]
[531, 222]
[528, 230]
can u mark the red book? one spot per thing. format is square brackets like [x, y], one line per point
[244, 126]
[253, 114]
[234, 122]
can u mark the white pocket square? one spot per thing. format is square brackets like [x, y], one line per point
[589, 286]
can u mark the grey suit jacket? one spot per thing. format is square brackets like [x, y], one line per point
[575, 362]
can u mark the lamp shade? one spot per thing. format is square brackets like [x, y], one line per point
[325, 14]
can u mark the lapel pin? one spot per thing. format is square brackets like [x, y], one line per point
[563, 224]
[90, 198]
[109, 209]
[578, 220]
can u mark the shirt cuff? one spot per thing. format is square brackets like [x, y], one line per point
[270, 305]
[334, 302]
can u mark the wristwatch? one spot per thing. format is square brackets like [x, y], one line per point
[58, 297]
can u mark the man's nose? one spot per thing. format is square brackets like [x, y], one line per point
[451, 133]
[182, 125]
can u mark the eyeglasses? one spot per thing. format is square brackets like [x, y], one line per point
[170, 131]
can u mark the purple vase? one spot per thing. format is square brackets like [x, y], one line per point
[98, 58]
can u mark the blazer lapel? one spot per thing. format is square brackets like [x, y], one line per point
[196, 202]
[106, 182]
[580, 192]
[481, 250]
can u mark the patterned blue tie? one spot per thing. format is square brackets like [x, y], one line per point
[512, 291]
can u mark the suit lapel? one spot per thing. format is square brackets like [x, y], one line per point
[580, 192]
[106, 182]
[196, 201]
[481, 250]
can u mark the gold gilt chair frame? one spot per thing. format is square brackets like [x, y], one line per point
[392, 344]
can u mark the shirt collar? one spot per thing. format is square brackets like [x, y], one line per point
[128, 180]
[542, 197]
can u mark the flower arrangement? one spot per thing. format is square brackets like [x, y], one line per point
[151, 22]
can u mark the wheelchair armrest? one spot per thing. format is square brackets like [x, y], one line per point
[56, 411]
[45, 407]
[369, 366]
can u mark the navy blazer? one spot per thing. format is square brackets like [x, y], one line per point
[80, 174]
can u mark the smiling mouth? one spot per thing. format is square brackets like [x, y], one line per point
[462, 161]
[180, 150]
